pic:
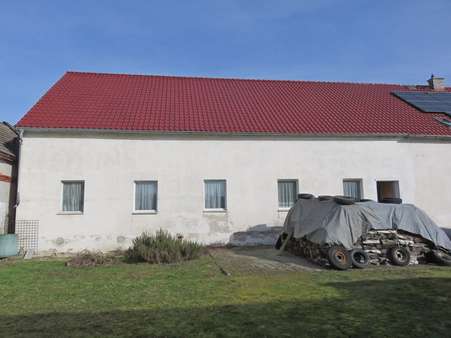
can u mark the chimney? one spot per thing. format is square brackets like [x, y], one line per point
[437, 83]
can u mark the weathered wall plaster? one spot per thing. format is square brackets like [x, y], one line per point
[109, 164]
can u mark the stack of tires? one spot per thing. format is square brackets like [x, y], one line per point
[342, 259]
[347, 200]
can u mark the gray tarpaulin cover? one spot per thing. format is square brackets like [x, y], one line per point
[326, 222]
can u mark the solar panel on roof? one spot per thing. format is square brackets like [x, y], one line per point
[427, 102]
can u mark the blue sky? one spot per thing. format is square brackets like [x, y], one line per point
[360, 41]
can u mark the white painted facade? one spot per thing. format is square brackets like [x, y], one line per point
[5, 169]
[110, 163]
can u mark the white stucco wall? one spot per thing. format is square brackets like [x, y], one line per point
[5, 169]
[110, 164]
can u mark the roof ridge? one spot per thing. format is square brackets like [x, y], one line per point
[235, 78]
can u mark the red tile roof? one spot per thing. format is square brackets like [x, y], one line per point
[209, 105]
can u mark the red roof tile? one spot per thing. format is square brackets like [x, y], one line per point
[183, 104]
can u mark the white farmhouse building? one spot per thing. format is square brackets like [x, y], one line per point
[106, 156]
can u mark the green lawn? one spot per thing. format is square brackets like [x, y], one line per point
[45, 298]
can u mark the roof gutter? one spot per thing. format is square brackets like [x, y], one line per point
[227, 134]
[19, 152]
[19, 134]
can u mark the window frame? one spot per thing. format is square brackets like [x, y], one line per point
[219, 210]
[79, 212]
[357, 180]
[145, 212]
[296, 182]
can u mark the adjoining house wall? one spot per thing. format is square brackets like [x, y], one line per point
[5, 187]
[109, 165]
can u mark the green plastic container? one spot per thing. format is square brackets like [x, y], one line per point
[8, 245]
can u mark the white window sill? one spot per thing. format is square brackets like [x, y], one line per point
[218, 211]
[283, 209]
[144, 212]
[70, 213]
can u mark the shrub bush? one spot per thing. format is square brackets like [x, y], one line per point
[164, 248]
[89, 258]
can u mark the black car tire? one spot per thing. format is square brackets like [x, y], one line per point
[441, 257]
[391, 200]
[306, 196]
[325, 198]
[339, 257]
[344, 200]
[399, 256]
[359, 258]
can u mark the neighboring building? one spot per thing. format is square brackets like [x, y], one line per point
[105, 157]
[8, 176]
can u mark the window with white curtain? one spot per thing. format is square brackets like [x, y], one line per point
[73, 196]
[215, 194]
[353, 188]
[288, 190]
[146, 196]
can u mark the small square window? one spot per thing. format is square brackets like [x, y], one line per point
[215, 194]
[288, 191]
[73, 196]
[146, 195]
[353, 188]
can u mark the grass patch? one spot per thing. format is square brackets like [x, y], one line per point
[45, 298]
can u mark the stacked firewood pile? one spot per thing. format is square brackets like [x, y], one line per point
[376, 244]
[304, 248]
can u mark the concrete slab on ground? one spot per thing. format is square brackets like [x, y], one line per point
[239, 260]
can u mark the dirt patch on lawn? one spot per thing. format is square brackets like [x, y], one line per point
[243, 260]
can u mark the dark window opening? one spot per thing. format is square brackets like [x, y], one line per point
[387, 189]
